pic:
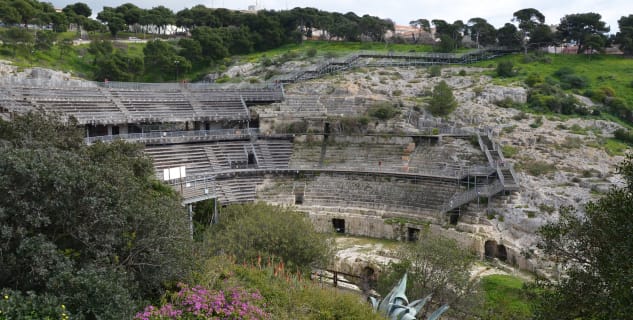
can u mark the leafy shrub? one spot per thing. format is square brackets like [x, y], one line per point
[601, 95]
[618, 107]
[570, 80]
[297, 127]
[537, 122]
[16, 305]
[462, 72]
[546, 208]
[574, 81]
[572, 143]
[607, 91]
[549, 97]
[435, 71]
[509, 151]
[615, 147]
[266, 61]
[351, 124]
[330, 55]
[505, 69]
[252, 230]
[564, 71]
[287, 56]
[382, 111]
[533, 79]
[624, 135]
[537, 168]
[507, 102]
[508, 129]
[311, 52]
[577, 129]
[520, 116]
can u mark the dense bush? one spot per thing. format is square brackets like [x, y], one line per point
[250, 231]
[507, 102]
[88, 225]
[570, 80]
[533, 79]
[16, 305]
[618, 107]
[383, 111]
[298, 127]
[624, 135]
[505, 69]
[547, 97]
[537, 168]
[311, 52]
[435, 71]
[350, 124]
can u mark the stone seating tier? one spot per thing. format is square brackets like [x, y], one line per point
[209, 157]
[378, 193]
[105, 105]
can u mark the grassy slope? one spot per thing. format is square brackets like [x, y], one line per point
[611, 71]
[602, 70]
[335, 48]
[505, 297]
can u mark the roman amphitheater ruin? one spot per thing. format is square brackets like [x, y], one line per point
[287, 142]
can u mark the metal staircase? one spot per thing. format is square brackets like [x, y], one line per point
[388, 59]
[505, 181]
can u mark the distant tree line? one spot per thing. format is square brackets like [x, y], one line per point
[206, 36]
[586, 30]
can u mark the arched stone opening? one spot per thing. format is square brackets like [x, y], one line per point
[490, 249]
[494, 250]
[413, 234]
[338, 225]
[368, 279]
[502, 254]
[454, 218]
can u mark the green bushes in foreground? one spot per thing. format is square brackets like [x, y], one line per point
[286, 293]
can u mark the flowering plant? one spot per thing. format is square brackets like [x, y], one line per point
[201, 303]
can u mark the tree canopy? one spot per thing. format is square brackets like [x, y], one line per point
[89, 225]
[482, 32]
[442, 100]
[625, 36]
[594, 248]
[584, 29]
[435, 265]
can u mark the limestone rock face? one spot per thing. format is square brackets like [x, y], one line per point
[240, 70]
[494, 93]
[558, 161]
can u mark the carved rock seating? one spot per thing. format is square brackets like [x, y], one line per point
[86, 104]
[379, 193]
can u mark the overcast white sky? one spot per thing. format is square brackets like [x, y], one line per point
[497, 12]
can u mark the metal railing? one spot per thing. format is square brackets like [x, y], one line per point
[453, 173]
[449, 131]
[462, 198]
[158, 135]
